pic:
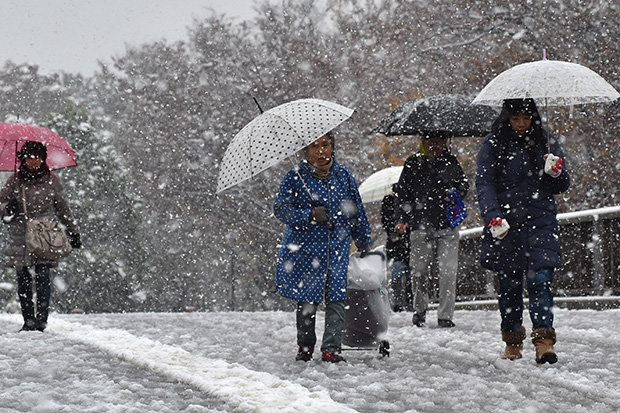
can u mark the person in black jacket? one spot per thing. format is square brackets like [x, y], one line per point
[422, 198]
[398, 250]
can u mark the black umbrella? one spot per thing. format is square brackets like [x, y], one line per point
[448, 115]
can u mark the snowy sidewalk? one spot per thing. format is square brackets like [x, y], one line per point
[237, 361]
[240, 387]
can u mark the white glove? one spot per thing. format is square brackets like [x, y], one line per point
[553, 165]
[499, 227]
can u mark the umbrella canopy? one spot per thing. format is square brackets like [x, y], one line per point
[449, 115]
[13, 136]
[549, 82]
[275, 135]
[379, 184]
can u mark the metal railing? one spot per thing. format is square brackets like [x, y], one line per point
[590, 242]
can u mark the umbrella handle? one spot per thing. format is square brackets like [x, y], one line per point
[257, 104]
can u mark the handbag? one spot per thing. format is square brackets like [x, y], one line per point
[45, 238]
[456, 211]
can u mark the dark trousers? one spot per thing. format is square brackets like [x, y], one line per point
[24, 291]
[334, 323]
[510, 299]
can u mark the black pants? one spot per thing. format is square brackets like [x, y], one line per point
[24, 291]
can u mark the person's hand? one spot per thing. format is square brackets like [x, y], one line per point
[499, 227]
[448, 192]
[10, 211]
[401, 228]
[75, 240]
[364, 251]
[553, 165]
[319, 214]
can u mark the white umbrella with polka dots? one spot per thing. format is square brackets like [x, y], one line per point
[275, 135]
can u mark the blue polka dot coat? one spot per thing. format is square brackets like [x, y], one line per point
[313, 259]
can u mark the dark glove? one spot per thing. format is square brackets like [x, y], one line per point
[319, 214]
[75, 240]
[364, 251]
[10, 211]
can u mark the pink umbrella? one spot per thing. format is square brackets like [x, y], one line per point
[13, 136]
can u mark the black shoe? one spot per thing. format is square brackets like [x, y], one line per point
[418, 320]
[445, 323]
[304, 355]
[41, 325]
[333, 357]
[29, 325]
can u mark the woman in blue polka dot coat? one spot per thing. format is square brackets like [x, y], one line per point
[319, 202]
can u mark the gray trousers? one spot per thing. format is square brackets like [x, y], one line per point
[441, 246]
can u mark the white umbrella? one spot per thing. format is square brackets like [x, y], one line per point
[549, 82]
[379, 184]
[275, 135]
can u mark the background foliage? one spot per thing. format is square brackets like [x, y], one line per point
[150, 129]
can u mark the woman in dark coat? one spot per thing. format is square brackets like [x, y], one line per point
[44, 199]
[319, 202]
[520, 169]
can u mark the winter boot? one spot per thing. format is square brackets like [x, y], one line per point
[304, 354]
[29, 325]
[544, 339]
[41, 325]
[333, 357]
[397, 294]
[41, 321]
[419, 319]
[514, 343]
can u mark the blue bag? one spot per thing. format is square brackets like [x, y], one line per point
[456, 211]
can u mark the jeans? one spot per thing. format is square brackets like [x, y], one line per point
[24, 291]
[429, 245]
[400, 270]
[510, 299]
[334, 323]
[401, 285]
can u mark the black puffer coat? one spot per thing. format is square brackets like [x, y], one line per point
[421, 189]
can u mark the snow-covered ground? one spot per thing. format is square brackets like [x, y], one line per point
[243, 361]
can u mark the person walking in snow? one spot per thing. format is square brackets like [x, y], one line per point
[520, 169]
[422, 198]
[319, 202]
[43, 199]
[397, 250]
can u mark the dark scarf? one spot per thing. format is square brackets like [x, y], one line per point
[27, 175]
[322, 172]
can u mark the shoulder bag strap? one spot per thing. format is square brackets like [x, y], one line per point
[24, 201]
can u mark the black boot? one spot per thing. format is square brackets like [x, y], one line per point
[40, 324]
[419, 319]
[29, 325]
